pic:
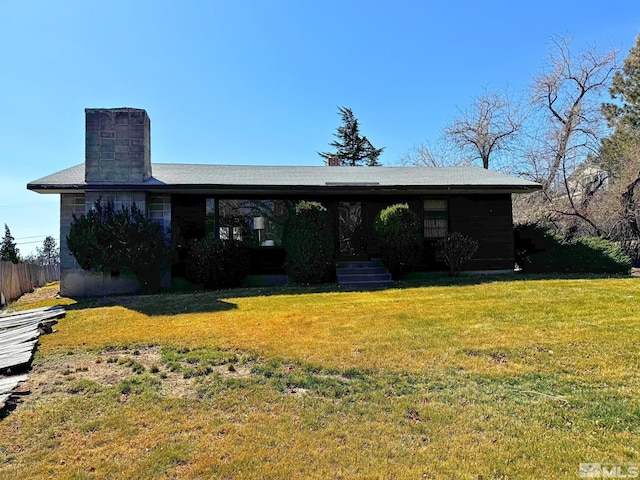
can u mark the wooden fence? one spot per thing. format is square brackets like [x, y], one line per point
[17, 279]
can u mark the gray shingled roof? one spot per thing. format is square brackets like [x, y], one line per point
[176, 177]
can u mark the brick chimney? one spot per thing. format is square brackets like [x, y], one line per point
[333, 161]
[118, 145]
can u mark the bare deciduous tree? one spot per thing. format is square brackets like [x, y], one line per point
[550, 141]
[568, 98]
[566, 102]
[440, 154]
[487, 127]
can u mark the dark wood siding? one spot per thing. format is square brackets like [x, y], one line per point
[188, 218]
[188, 214]
[487, 219]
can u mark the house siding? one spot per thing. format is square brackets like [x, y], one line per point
[487, 219]
[70, 204]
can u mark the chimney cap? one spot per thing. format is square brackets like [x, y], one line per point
[116, 109]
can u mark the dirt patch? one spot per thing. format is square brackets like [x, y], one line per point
[60, 375]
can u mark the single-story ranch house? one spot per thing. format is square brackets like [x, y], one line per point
[250, 202]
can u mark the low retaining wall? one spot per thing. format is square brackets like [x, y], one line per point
[20, 278]
[75, 282]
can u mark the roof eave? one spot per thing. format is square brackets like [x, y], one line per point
[282, 189]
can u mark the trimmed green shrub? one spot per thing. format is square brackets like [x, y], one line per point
[602, 256]
[107, 240]
[309, 243]
[454, 249]
[545, 253]
[216, 263]
[400, 237]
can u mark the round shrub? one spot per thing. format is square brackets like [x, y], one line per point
[400, 237]
[309, 243]
[216, 263]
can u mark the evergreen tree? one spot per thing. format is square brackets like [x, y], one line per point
[352, 149]
[619, 154]
[49, 254]
[8, 250]
[624, 115]
[626, 89]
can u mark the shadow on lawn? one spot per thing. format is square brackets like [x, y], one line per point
[160, 305]
[194, 301]
[198, 301]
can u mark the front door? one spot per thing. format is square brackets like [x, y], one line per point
[350, 230]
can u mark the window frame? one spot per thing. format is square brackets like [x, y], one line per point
[438, 215]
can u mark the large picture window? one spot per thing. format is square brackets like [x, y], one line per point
[436, 218]
[254, 222]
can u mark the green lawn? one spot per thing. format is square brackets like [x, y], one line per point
[485, 379]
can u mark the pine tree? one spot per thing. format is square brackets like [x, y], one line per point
[626, 89]
[619, 154]
[352, 149]
[8, 250]
[49, 254]
[623, 114]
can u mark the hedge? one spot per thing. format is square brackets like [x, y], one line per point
[542, 252]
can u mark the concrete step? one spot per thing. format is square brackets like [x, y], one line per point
[363, 277]
[363, 285]
[363, 274]
[360, 264]
[361, 270]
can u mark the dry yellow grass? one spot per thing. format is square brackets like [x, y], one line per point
[503, 379]
[406, 330]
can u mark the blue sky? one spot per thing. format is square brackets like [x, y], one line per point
[260, 81]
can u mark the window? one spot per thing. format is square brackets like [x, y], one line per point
[436, 218]
[224, 233]
[254, 222]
